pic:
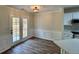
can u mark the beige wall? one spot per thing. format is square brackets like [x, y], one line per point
[4, 22]
[23, 14]
[5, 37]
[49, 24]
[6, 13]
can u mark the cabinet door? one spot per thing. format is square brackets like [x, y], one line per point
[75, 15]
[67, 18]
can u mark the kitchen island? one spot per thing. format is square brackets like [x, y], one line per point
[68, 46]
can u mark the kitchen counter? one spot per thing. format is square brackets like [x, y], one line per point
[70, 46]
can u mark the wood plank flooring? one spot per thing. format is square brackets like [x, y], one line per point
[35, 46]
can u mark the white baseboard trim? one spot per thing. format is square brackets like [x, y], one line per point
[3, 50]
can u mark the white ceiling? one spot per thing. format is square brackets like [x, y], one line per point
[43, 7]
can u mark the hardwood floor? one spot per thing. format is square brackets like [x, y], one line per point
[35, 46]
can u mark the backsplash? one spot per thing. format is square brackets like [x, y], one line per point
[67, 27]
[67, 32]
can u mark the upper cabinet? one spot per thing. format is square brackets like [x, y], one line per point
[69, 16]
[75, 15]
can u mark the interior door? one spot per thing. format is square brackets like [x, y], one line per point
[16, 28]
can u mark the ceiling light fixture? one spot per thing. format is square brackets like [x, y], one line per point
[35, 8]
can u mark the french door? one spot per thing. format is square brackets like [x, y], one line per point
[24, 20]
[16, 28]
[19, 28]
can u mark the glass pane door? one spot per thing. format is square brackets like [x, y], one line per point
[24, 27]
[16, 29]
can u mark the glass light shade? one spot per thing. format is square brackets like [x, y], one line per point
[35, 8]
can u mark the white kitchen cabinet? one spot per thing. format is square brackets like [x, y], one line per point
[75, 15]
[67, 18]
